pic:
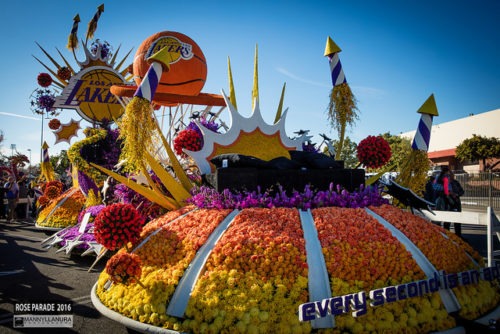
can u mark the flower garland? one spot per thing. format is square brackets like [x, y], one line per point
[74, 155]
[164, 258]
[206, 197]
[452, 257]
[373, 151]
[117, 225]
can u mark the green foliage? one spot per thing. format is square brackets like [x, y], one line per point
[478, 148]
[401, 150]
[348, 152]
[60, 163]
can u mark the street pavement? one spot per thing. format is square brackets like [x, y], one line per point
[29, 273]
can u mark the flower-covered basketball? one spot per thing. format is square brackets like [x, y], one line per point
[188, 67]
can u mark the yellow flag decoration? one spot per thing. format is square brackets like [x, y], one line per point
[46, 167]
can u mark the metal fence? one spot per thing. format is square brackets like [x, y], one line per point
[481, 190]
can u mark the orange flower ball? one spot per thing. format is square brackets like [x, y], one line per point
[188, 67]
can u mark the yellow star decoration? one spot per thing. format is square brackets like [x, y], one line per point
[67, 131]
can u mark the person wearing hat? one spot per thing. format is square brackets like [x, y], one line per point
[12, 197]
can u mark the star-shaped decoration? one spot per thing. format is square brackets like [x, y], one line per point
[67, 131]
[54, 239]
[70, 244]
[94, 247]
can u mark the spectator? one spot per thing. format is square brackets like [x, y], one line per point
[12, 197]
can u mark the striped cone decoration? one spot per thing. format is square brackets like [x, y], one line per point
[423, 134]
[148, 86]
[338, 76]
[332, 52]
[47, 171]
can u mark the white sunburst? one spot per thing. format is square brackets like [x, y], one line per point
[240, 124]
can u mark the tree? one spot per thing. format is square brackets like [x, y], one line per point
[478, 148]
[401, 150]
[60, 163]
[348, 152]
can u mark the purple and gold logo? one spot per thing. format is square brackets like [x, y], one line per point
[176, 48]
[88, 93]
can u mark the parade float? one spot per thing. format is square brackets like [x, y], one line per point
[215, 228]
[231, 256]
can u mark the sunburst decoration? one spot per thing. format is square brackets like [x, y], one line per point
[67, 131]
[85, 87]
[248, 136]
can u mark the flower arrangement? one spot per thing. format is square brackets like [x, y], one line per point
[54, 124]
[101, 49]
[42, 201]
[64, 73]
[373, 151]
[63, 211]
[257, 274]
[88, 234]
[124, 268]
[51, 190]
[191, 138]
[44, 80]
[187, 139]
[206, 197]
[146, 208]
[42, 102]
[117, 225]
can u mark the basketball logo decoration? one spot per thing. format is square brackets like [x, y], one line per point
[187, 74]
[87, 89]
[188, 67]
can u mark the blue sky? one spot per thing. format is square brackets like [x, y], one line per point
[394, 55]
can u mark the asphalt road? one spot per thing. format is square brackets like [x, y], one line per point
[29, 273]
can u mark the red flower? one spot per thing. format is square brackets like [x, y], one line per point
[54, 124]
[118, 224]
[64, 73]
[44, 80]
[124, 267]
[43, 200]
[47, 187]
[374, 152]
[188, 139]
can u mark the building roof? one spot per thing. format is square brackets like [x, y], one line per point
[445, 137]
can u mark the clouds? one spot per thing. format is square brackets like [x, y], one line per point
[19, 116]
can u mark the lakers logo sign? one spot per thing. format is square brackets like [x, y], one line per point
[88, 93]
[176, 48]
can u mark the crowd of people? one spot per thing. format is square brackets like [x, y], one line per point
[11, 191]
